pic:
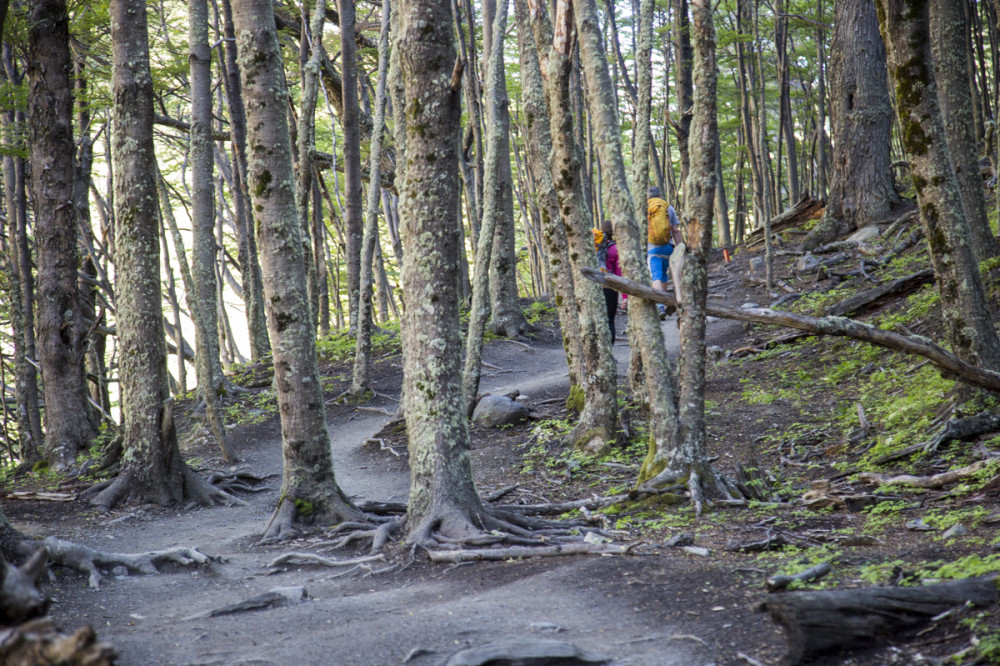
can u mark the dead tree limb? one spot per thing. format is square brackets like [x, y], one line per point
[806, 208]
[836, 326]
[933, 481]
[87, 560]
[828, 621]
[515, 552]
[957, 430]
[861, 301]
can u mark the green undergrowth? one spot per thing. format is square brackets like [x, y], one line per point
[339, 346]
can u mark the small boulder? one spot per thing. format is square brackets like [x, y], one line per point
[956, 530]
[806, 264]
[498, 410]
[864, 234]
[756, 265]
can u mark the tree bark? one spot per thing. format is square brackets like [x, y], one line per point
[203, 302]
[61, 330]
[906, 26]
[683, 59]
[648, 338]
[353, 222]
[309, 490]
[443, 498]
[598, 418]
[359, 384]
[861, 188]
[950, 48]
[152, 469]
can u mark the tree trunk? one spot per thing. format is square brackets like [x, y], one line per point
[950, 48]
[203, 302]
[443, 498]
[152, 470]
[648, 338]
[684, 85]
[359, 384]
[506, 317]
[861, 191]
[492, 212]
[963, 300]
[309, 490]
[253, 289]
[353, 221]
[61, 330]
[538, 143]
[598, 418]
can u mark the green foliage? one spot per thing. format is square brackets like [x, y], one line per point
[254, 408]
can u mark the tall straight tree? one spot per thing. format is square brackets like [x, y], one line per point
[309, 491]
[506, 317]
[205, 303]
[351, 121]
[61, 330]
[598, 376]
[152, 468]
[861, 188]
[360, 379]
[906, 28]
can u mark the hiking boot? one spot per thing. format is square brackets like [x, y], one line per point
[662, 309]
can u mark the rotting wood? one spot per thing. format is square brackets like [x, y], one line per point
[825, 622]
[934, 481]
[862, 301]
[836, 326]
[39, 642]
[519, 552]
[805, 209]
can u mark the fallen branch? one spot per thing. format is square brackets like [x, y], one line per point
[836, 326]
[272, 599]
[825, 622]
[934, 481]
[559, 508]
[775, 583]
[517, 552]
[806, 208]
[862, 300]
[958, 430]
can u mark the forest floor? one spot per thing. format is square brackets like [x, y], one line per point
[790, 413]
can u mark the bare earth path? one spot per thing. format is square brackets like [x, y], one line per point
[653, 610]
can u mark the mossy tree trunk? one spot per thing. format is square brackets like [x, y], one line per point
[152, 468]
[646, 336]
[493, 203]
[203, 303]
[351, 123]
[689, 458]
[597, 424]
[683, 85]
[359, 384]
[861, 187]
[443, 498]
[253, 288]
[906, 27]
[950, 48]
[506, 317]
[539, 146]
[309, 490]
[61, 329]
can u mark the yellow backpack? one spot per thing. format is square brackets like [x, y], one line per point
[659, 222]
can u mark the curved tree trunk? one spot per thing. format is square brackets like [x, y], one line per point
[861, 188]
[61, 330]
[597, 424]
[906, 25]
[359, 384]
[309, 490]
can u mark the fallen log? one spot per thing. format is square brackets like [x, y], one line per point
[957, 430]
[830, 621]
[805, 209]
[863, 300]
[836, 326]
[933, 481]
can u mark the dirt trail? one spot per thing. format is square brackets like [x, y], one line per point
[626, 608]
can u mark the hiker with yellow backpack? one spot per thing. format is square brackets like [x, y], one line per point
[663, 234]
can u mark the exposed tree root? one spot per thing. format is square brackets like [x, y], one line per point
[493, 554]
[933, 481]
[706, 485]
[88, 560]
[324, 561]
[125, 487]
